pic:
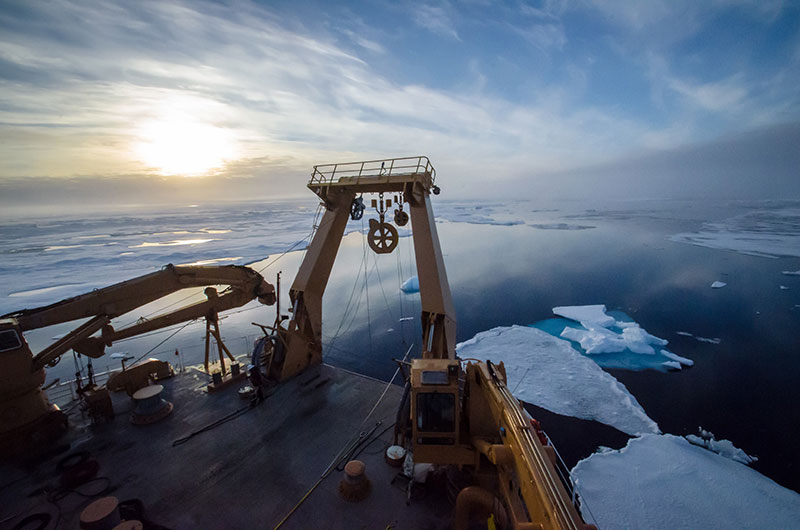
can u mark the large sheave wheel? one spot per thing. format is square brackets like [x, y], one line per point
[382, 237]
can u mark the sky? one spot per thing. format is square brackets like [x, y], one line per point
[118, 100]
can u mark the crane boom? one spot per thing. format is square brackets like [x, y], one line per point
[24, 407]
[118, 299]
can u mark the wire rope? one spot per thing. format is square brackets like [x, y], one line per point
[366, 286]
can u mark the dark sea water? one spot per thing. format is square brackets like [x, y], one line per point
[513, 271]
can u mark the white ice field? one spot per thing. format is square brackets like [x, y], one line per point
[766, 233]
[575, 385]
[663, 481]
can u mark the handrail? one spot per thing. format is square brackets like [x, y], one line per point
[387, 167]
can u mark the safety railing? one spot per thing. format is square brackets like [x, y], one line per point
[569, 483]
[65, 392]
[329, 173]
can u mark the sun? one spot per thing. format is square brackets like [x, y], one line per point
[179, 146]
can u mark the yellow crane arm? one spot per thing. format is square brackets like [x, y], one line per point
[102, 305]
[118, 299]
[528, 480]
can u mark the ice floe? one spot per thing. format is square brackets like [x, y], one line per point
[765, 233]
[718, 285]
[783, 288]
[411, 285]
[559, 226]
[698, 338]
[791, 273]
[725, 448]
[612, 341]
[677, 358]
[474, 213]
[587, 315]
[663, 481]
[548, 372]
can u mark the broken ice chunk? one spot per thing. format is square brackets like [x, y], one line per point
[677, 358]
[721, 447]
[411, 285]
[718, 285]
[593, 315]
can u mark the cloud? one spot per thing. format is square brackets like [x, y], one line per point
[75, 101]
[546, 36]
[723, 95]
[437, 19]
[758, 164]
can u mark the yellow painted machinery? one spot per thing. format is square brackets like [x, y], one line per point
[457, 414]
[27, 419]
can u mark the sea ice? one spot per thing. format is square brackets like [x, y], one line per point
[559, 226]
[481, 214]
[411, 285]
[674, 365]
[791, 273]
[718, 285]
[587, 315]
[663, 481]
[783, 288]
[601, 334]
[765, 233]
[708, 340]
[684, 333]
[724, 448]
[677, 358]
[550, 373]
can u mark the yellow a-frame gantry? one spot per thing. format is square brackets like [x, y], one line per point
[338, 186]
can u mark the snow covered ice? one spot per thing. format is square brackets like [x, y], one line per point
[663, 481]
[548, 372]
[724, 448]
[613, 342]
[587, 315]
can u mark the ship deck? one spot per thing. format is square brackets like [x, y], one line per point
[245, 473]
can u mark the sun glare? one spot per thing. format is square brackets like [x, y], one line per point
[177, 146]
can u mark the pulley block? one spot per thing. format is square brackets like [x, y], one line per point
[357, 209]
[400, 218]
[382, 237]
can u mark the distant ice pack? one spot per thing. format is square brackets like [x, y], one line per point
[766, 233]
[548, 372]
